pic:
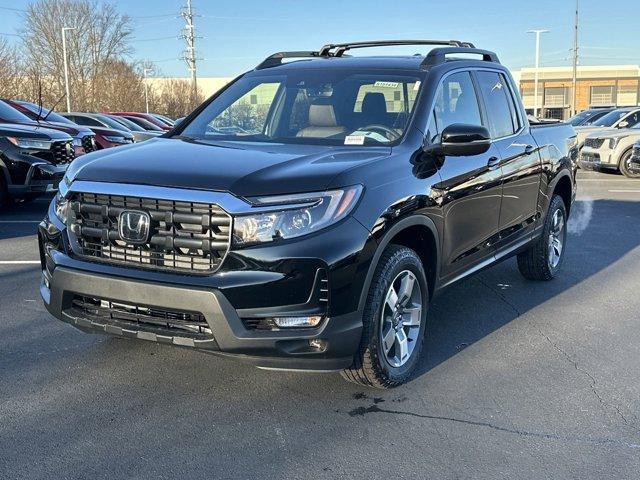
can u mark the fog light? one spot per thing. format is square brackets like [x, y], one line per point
[292, 322]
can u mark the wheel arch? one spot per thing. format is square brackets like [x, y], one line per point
[417, 232]
[563, 186]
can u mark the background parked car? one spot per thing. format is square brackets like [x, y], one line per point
[83, 138]
[610, 150]
[33, 160]
[146, 125]
[587, 117]
[104, 121]
[134, 127]
[104, 137]
[619, 118]
[163, 119]
[145, 116]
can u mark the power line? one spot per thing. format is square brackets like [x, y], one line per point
[13, 9]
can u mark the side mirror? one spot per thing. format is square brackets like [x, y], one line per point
[178, 121]
[461, 140]
[623, 124]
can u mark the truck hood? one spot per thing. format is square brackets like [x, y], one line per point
[26, 131]
[583, 132]
[616, 133]
[241, 168]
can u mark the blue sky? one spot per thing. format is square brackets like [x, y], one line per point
[237, 35]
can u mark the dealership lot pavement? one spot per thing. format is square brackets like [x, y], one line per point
[519, 380]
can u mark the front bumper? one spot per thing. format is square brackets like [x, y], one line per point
[41, 178]
[253, 283]
[595, 159]
[338, 336]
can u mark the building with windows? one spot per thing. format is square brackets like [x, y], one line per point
[599, 86]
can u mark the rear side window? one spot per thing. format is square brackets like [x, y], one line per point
[456, 102]
[501, 111]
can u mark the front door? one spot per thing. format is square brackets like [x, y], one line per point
[470, 187]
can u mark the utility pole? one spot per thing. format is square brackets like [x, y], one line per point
[190, 53]
[66, 66]
[535, 103]
[146, 87]
[574, 108]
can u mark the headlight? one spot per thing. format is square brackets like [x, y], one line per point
[613, 143]
[61, 207]
[114, 139]
[77, 142]
[294, 215]
[30, 143]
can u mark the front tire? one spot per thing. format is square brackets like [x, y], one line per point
[625, 164]
[394, 321]
[544, 259]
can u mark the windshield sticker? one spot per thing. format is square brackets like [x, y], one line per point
[354, 140]
[416, 86]
[386, 84]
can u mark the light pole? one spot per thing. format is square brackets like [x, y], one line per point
[66, 66]
[146, 87]
[535, 88]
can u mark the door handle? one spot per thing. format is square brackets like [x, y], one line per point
[493, 163]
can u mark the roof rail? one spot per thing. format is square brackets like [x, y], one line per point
[439, 55]
[276, 58]
[340, 48]
[435, 56]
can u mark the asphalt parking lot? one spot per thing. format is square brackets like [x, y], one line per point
[519, 380]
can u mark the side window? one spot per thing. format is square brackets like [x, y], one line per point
[500, 108]
[633, 119]
[456, 102]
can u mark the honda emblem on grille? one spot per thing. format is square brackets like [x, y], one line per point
[133, 226]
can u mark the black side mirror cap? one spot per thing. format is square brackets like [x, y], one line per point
[461, 140]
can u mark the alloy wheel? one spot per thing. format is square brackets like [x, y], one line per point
[556, 238]
[401, 318]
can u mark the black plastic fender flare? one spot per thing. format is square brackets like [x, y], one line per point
[414, 220]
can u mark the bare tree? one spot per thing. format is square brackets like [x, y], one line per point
[172, 97]
[100, 38]
[10, 75]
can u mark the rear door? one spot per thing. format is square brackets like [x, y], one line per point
[471, 186]
[520, 158]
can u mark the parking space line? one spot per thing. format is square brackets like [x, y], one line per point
[624, 191]
[19, 262]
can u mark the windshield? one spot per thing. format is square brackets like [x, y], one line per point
[330, 107]
[110, 122]
[145, 124]
[51, 116]
[585, 118]
[610, 118]
[127, 123]
[10, 114]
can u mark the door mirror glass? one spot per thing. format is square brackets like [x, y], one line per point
[623, 124]
[460, 140]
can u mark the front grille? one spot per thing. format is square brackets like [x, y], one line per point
[183, 237]
[63, 152]
[139, 317]
[88, 143]
[594, 142]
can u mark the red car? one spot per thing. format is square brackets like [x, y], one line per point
[148, 118]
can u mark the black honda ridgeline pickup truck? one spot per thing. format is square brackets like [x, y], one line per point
[304, 216]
